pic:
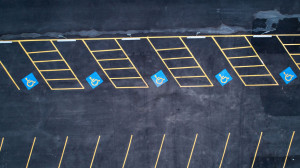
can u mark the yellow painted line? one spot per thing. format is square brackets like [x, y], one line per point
[30, 152]
[118, 49]
[243, 57]
[95, 152]
[236, 48]
[48, 61]
[224, 150]
[127, 78]
[255, 75]
[112, 59]
[287, 154]
[9, 75]
[295, 53]
[151, 37]
[60, 79]
[292, 44]
[82, 87]
[177, 58]
[262, 84]
[184, 67]
[112, 69]
[161, 145]
[228, 60]
[287, 52]
[127, 151]
[248, 66]
[188, 165]
[34, 64]
[257, 149]
[261, 61]
[62, 154]
[166, 49]
[1, 143]
[51, 70]
[36, 52]
[190, 76]
[146, 85]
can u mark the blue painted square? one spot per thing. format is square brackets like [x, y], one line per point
[30, 81]
[223, 77]
[94, 80]
[159, 78]
[288, 75]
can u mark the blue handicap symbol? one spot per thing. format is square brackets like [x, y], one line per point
[159, 78]
[223, 77]
[30, 81]
[288, 75]
[94, 80]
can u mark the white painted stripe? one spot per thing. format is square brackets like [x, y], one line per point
[259, 36]
[196, 37]
[131, 38]
[5, 42]
[66, 40]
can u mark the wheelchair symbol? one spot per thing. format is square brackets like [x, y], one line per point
[159, 80]
[30, 83]
[94, 82]
[222, 78]
[288, 77]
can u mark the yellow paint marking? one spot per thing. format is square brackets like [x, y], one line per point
[30, 152]
[188, 165]
[257, 149]
[184, 67]
[9, 75]
[292, 44]
[59, 79]
[161, 145]
[166, 49]
[36, 52]
[255, 75]
[177, 58]
[190, 76]
[54, 70]
[127, 78]
[295, 54]
[62, 154]
[224, 150]
[107, 50]
[127, 151]
[252, 56]
[95, 152]
[236, 48]
[112, 69]
[1, 143]
[47, 61]
[248, 66]
[283, 45]
[287, 154]
[112, 59]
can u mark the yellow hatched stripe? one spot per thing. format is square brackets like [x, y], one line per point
[112, 69]
[51, 70]
[184, 67]
[106, 50]
[127, 78]
[177, 58]
[243, 57]
[190, 76]
[255, 75]
[166, 49]
[248, 66]
[47, 61]
[1, 143]
[236, 48]
[112, 59]
[288, 52]
[60, 79]
[36, 52]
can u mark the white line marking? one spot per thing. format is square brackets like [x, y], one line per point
[262, 36]
[5, 42]
[196, 37]
[131, 38]
[66, 40]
